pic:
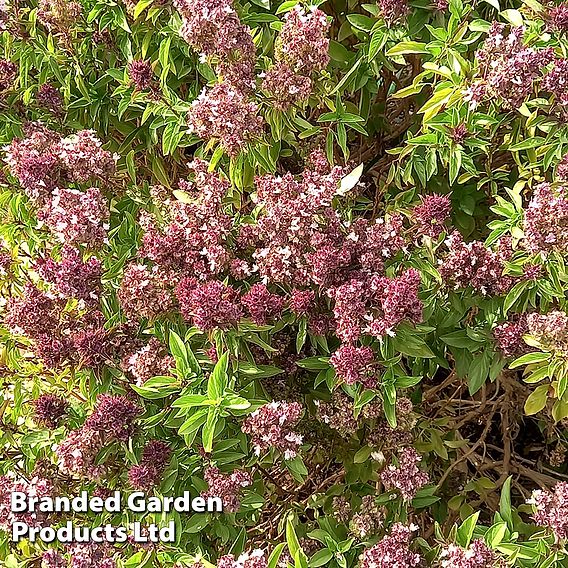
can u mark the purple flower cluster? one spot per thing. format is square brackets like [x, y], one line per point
[431, 215]
[148, 473]
[92, 555]
[556, 83]
[550, 330]
[300, 51]
[37, 486]
[144, 293]
[49, 409]
[195, 238]
[478, 555]
[271, 426]
[557, 18]
[303, 43]
[72, 277]
[51, 558]
[262, 305]
[473, 264]
[354, 365]
[551, 509]
[149, 361]
[225, 113]
[43, 161]
[77, 217]
[509, 336]
[57, 335]
[393, 11]
[209, 305]
[226, 486]
[8, 71]
[393, 550]
[49, 98]
[254, 559]
[509, 68]
[406, 477]
[546, 220]
[286, 87]
[562, 169]
[141, 74]
[376, 304]
[213, 28]
[112, 420]
[84, 158]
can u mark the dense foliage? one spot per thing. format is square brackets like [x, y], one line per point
[307, 259]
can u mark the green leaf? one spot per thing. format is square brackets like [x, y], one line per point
[530, 358]
[536, 401]
[407, 47]
[505, 509]
[217, 383]
[527, 144]
[360, 22]
[292, 539]
[465, 530]
[275, 555]
[478, 373]
[208, 432]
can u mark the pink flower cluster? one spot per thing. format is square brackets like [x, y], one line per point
[37, 486]
[376, 304]
[509, 336]
[271, 426]
[72, 277]
[393, 11]
[262, 305]
[225, 113]
[92, 555]
[254, 559]
[195, 238]
[144, 292]
[51, 558]
[551, 509]
[50, 99]
[148, 473]
[149, 361]
[43, 161]
[393, 550]
[300, 51]
[556, 83]
[473, 264]
[509, 68]
[112, 420]
[49, 409]
[546, 220]
[550, 330]
[406, 477]
[77, 217]
[354, 365]
[557, 18]
[209, 305]
[478, 555]
[57, 335]
[226, 486]
[214, 29]
[8, 71]
[431, 215]
[141, 74]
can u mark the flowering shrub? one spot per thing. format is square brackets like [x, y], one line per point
[308, 259]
